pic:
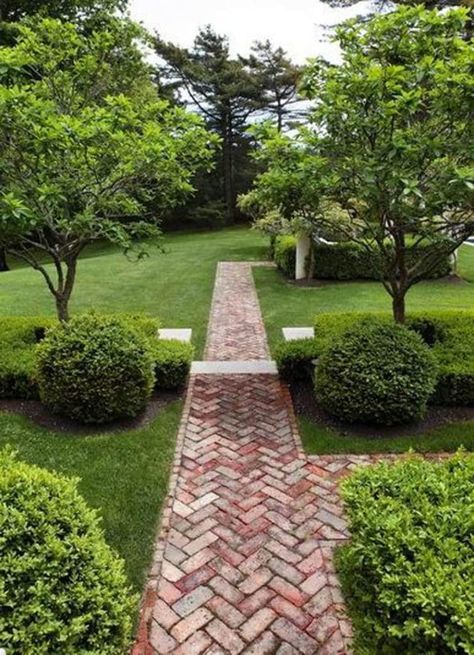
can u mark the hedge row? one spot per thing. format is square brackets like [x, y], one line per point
[408, 570]
[20, 335]
[450, 335]
[345, 261]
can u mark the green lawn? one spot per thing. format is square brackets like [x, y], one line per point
[176, 285]
[284, 304]
[123, 474]
[322, 440]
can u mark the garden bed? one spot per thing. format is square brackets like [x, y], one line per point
[445, 429]
[36, 412]
[449, 420]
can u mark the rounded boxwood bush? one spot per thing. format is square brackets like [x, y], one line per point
[376, 373]
[95, 369]
[62, 589]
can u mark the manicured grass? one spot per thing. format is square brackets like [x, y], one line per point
[123, 474]
[284, 304]
[176, 285]
[322, 440]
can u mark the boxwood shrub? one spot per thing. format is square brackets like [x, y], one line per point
[62, 590]
[345, 261]
[172, 362]
[95, 369]
[408, 570]
[449, 333]
[19, 336]
[295, 359]
[377, 373]
[18, 339]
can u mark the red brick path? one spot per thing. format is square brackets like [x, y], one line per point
[236, 330]
[244, 563]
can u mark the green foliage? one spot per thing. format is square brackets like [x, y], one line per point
[172, 361]
[67, 10]
[376, 373]
[408, 569]
[18, 339]
[295, 359]
[453, 347]
[225, 93]
[62, 589]
[278, 77]
[353, 261]
[95, 369]
[284, 254]
[389, 140]
[450, 335]
[85, 145]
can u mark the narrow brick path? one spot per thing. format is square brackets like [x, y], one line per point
[244, 560]
[236, 330]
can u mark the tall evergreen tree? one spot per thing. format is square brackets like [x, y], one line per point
[278, 78]
[222, 89]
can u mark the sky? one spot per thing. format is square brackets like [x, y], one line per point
[301, 27]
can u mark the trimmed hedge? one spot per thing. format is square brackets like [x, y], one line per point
[19, 337]
[95, 369]
[295, 359]
[344, 261]
[62, 589]
[408, 570]
[172, 362]
[376, 373]
[450, 334]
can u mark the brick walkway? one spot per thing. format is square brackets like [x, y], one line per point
[236, 330]
[243, 563]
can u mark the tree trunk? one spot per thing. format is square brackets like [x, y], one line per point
[398, 305]
[400, 284]
[62, 308]
[279, 116]
[3, 260]
[229, 191]
[63, 294]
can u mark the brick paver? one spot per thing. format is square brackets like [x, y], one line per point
[236, 328]
[244, 560]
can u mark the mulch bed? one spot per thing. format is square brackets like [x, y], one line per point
[306, 406]
[36, 412]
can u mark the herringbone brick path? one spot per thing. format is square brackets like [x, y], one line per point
[236, 330]
[244, 562]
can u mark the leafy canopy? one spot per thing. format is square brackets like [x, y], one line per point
[85, 143]
[389, 138]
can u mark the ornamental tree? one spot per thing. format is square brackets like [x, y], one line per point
[79, 158]
[293, 194]
[393, 124]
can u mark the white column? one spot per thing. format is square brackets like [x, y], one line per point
[302, 253]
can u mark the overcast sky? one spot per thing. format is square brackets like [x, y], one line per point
[299, 26]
